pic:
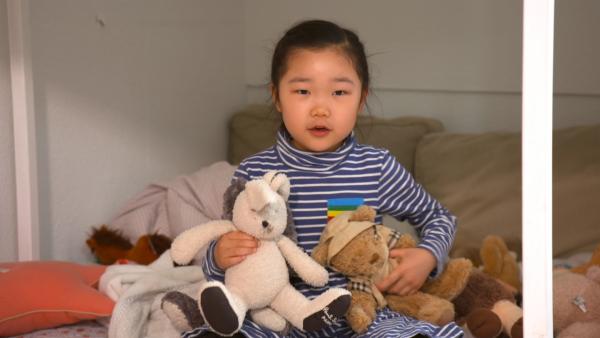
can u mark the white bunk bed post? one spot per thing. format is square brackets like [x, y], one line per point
[538, 42]
[24, 131]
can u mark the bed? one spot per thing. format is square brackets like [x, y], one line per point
[476, 176]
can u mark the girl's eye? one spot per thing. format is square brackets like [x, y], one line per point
[339, 92]
[302, 91]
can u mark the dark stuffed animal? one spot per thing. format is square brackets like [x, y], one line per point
[110, 245]
[484, 304]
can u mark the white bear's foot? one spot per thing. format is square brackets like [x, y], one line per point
[182, 310]
[331, 305]
[268, 318]
[220, 309]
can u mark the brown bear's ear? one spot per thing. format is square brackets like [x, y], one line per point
[363, 213]
[320, 253]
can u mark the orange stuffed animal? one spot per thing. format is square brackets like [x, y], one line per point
[110, 245]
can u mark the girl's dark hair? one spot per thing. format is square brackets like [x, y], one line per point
[315, 35]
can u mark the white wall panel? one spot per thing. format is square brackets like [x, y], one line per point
[8, 217]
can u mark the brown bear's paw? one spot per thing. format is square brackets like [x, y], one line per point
[439, 312]
[422, 306]
[218, 312]
[452, 281]
[358, 319]
[483, 323]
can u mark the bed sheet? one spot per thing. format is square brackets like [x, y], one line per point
[85, 329]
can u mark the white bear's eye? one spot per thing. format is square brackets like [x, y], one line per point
[253, 210]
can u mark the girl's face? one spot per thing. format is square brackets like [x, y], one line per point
[319, 97]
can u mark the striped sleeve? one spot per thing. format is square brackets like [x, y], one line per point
[402, 197]
[241, 171]
[209, 265]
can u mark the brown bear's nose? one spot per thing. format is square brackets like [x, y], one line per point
[374, 258]
[265, 224]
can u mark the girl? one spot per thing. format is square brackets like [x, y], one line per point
[319, 83]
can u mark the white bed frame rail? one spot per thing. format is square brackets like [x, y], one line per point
[24, 131]
[538, 44]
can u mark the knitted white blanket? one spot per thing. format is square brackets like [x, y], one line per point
[138, 291]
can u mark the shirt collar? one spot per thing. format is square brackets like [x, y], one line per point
[309, 161]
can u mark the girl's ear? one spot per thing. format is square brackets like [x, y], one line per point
[275, 97]
[363, 100]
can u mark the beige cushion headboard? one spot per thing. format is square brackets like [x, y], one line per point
[254, 129]
[478, 178]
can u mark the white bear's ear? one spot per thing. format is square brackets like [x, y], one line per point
[279, 182]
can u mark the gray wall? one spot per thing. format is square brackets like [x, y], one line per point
[458, 61]
[8, 216]
[126, 93]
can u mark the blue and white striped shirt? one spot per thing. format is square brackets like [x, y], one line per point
[352, 171]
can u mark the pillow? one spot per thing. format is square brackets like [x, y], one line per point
[576, 186]
[255, 128]
[43, 294]
[400, 135]
[478, 178]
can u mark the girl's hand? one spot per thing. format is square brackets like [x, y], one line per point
[233, 247]
[414, 266]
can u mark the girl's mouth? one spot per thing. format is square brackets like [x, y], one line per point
[319, 131]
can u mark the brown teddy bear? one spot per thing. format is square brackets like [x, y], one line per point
[358, 248]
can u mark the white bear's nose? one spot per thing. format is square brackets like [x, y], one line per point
[265, 224]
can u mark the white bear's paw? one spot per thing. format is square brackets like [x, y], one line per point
[329, 314]
[218, 311]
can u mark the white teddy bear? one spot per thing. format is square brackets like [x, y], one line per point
[260, 283]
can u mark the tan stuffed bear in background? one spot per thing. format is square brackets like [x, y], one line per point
[576, 303]
[499, 262]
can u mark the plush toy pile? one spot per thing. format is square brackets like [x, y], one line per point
[260, 283]
[357, 247]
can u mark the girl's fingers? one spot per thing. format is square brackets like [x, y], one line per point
[238, 235]
[389, 281]
[395, 253]
[240, 251]
[250, 244]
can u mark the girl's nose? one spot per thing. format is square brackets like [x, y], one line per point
[319, 112]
